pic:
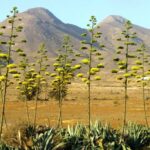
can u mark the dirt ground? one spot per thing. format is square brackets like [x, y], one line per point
[107, 106]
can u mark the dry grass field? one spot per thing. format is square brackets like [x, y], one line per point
[107, 106]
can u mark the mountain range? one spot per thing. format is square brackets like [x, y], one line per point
[41, 26]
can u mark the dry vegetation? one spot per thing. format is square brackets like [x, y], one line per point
[107, 106]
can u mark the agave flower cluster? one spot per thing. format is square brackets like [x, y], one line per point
[127, 44]
[63, 70]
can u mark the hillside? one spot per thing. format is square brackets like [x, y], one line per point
[40, 25]
[112, 25]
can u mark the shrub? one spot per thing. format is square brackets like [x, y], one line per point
[20, 135]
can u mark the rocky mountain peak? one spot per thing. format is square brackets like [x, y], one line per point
[43, 14]
[115, 18]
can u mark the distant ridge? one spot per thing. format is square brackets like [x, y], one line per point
[40, 25]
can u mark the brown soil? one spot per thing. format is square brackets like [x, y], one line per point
[107, 106]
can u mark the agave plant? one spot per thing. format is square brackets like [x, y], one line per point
[104, 131]
[76, 137]
[7, 147]
[137, 136]
[104, 137]
[44, 141]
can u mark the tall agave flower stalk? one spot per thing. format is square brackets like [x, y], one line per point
[126, 48]
[91, 62]
[8, 40]
[141, 64]
[2, 65]
[64, 73]
[40, 77]
[23, 66]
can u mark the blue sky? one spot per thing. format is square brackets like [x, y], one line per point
[78, 11]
